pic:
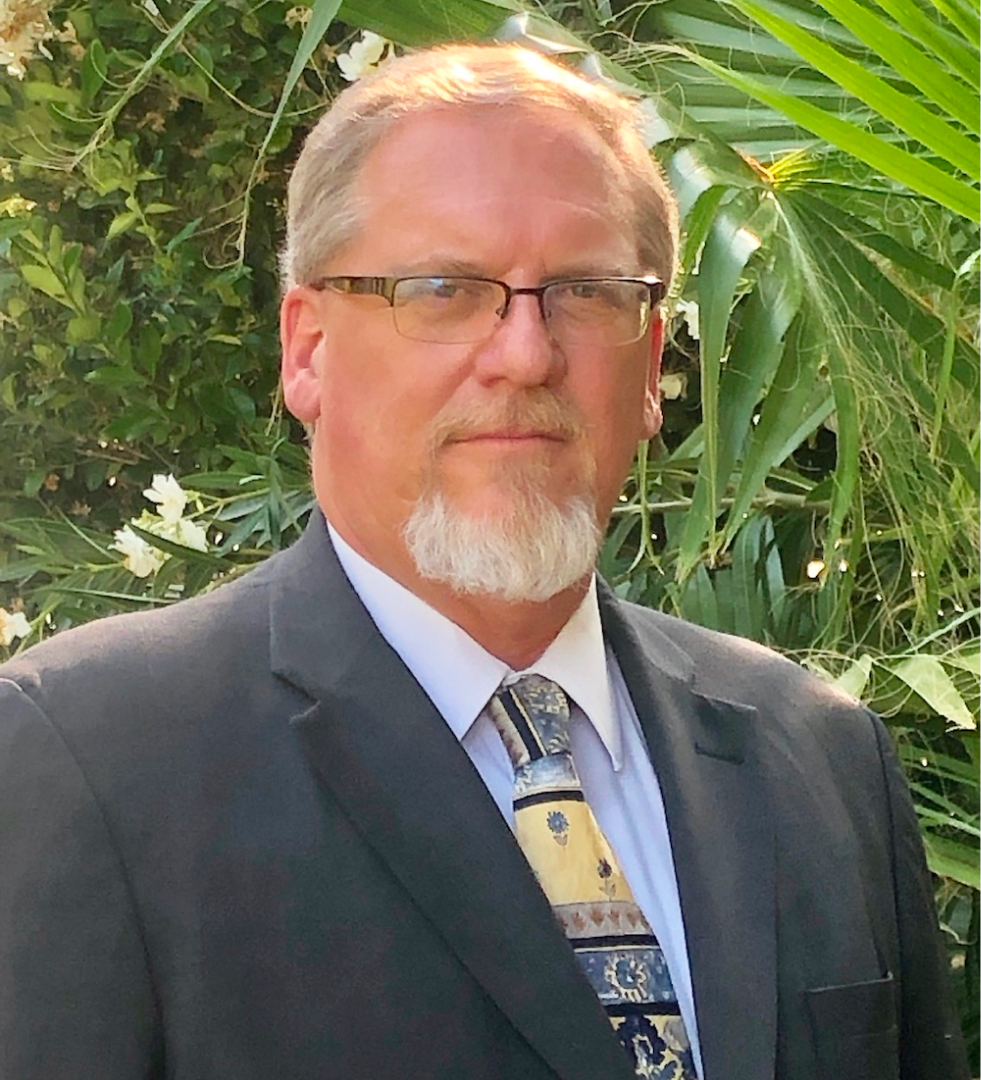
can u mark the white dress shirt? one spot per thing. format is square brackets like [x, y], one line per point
[608, 746]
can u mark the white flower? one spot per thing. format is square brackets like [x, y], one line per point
[13, 624]
[689, 308]
[141, 558]
[298, 16]
[184, 531]
[673, 385]
[169, 496]
[24, 25]
[362, 57]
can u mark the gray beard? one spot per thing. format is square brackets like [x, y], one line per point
[536, 551]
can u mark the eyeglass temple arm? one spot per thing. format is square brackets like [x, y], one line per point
[359, 286]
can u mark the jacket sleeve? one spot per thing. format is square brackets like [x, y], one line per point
[930, 1041]
[75, 993]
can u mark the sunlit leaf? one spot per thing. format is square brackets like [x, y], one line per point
[925, 675]
[855, 678]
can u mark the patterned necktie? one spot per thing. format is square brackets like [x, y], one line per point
[576, 868]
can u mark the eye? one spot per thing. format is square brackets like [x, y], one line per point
[585, 290]
[444, 288]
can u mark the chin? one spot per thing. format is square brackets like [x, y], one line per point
[525, 547]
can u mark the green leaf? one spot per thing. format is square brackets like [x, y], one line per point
[842, 262]
[906, 310]
[104, 594]
[191, 555]
[119, 323]
[748, 561]
[43, 91]
[953, 859]
[94, 66]
[888, 159]
[700, 166]
[926, 677]
[82, 328]
[171, 39]
[111, 375]
[964, 16]
[122, 223]
[967, 657]
[33, 481]
[700, 603]
[797, 402]
[855, 678]
[187, 231]
[242, 402]
[848, 465]
[939, 41]
[45, 280]
[11, 226]
[322, 14]
[730, 39]
[697, 223]
[910, 59]
[732, 240]
[859, 232]
[753, 357]
[421, 22]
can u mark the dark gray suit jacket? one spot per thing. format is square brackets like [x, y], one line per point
[238, 841]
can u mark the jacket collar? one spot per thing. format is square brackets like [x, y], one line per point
[707, 754]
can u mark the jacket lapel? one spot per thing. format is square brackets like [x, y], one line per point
[704, 754]
[375, 739]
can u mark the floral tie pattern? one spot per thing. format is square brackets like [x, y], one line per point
[578, 872]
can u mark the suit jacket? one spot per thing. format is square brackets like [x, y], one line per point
[238, 841]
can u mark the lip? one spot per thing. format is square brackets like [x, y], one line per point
[509, 437]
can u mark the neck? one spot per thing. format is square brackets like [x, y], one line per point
[515, 632]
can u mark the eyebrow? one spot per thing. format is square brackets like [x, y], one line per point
[450, 267]
[447, 267]
[592, 271]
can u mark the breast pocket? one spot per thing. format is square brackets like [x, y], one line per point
[855, 1031]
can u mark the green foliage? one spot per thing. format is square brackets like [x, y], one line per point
[138, 334]
[815, 484]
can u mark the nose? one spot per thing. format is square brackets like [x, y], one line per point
[520, 350]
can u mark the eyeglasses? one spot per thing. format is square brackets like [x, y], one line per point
[599, 312]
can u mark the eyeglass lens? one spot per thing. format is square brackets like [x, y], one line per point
[458, 310]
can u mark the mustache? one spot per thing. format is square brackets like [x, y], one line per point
[538, 411]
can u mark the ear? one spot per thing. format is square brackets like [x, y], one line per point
[652, 399]
[301, 335]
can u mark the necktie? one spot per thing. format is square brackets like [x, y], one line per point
[578, 872]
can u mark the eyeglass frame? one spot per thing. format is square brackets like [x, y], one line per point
[386, 286]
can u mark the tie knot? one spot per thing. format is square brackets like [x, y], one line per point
[532, 716]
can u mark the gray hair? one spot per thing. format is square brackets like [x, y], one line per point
[323, 210]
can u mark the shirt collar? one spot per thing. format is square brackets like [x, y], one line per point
[576, 660]
[459, 675]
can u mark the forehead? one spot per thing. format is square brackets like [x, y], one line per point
[494, 185]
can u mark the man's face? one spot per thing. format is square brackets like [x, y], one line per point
[518, 195]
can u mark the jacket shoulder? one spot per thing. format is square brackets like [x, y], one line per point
[732, 668]
[133, 663]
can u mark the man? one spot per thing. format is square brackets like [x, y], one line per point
[268, 832]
